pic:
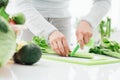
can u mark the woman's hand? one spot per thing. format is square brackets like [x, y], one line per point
[58, 43]
[83, 33]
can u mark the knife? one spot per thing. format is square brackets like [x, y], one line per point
[75, 49]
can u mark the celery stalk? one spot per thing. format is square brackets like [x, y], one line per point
[83, 55]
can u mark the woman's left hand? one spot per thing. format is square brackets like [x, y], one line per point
[83, 33]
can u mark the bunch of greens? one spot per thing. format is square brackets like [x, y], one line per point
[41, 42]
[106, 46]
[110, 49]
[105, 29]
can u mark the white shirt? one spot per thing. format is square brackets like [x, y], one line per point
[52, 8]
[56, 8]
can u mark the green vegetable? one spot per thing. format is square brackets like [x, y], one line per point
[82, 55]
[108, 27]
[103, 51]
[75, 50]
[19, 18]
[4, 14]
[112, 45]
[7, 42]
[3, 3]
[110, 53]
[28, 54]
[3, 25]
[107, 46]
[105, 28]
[95, 50]
[41, 42]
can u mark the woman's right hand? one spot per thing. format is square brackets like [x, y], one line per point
[58, 43]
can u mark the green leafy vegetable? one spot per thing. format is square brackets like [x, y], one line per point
[3, 26]
[41, 42]
[7, 42]
[105, 28]
[106, 46]
[104, 51]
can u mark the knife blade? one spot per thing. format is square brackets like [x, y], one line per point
[75, 49]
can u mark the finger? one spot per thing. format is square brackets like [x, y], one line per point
[55, 47]
[79, 36]
[66, 47]
[80, 40]
[89, 36]
[61, 48]
[86, 38]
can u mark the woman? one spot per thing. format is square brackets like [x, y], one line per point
[51, 19]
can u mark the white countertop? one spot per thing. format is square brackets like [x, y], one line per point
[54, 70]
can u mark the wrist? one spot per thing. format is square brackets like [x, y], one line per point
[52, 33]
[84, 23]
[84, 26]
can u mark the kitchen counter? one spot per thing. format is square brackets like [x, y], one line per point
[54, 70]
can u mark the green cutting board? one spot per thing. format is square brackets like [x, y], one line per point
[96, 60]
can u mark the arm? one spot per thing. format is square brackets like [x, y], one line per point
[34, 20]
[39, 26]
[97, 12]
[91, 20]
